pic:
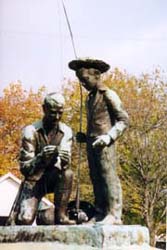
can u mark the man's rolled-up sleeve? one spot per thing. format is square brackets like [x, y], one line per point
[29, 162]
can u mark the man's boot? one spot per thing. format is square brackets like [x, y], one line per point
[61, 217]
[62, 195]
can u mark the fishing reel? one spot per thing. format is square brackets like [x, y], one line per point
[82, 214]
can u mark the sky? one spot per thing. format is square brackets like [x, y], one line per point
[35, 45]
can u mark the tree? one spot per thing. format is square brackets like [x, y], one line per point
[143, 157]
[142, 149]
[17, 109]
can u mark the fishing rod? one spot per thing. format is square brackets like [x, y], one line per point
[78, 214]
[70, 29]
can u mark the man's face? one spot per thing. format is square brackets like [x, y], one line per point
[53, 114]
[88, 77]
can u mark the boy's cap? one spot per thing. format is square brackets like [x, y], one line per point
[89, 63]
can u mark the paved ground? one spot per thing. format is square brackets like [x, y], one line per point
[42, 246]
[56, 246]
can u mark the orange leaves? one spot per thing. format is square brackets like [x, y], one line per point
[18, 107]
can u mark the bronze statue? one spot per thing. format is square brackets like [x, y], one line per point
[45, 157]
[106, 121]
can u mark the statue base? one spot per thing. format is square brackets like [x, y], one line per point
[96, 236]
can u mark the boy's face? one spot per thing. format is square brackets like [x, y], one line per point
[88, 77]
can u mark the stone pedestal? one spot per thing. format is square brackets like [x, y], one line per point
[107, 237]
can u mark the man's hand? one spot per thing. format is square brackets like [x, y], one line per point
[81, 137]
[48, 152]
[102, 141]
[64, 155]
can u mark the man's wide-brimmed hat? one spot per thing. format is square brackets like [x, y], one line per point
[89, 63]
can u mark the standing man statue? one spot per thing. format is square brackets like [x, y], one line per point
[106, 121]
[45, 157]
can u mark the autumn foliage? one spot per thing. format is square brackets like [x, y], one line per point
[142, 150]
[18, 108]
[142, 157]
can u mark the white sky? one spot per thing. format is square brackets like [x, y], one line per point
[35, 45]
